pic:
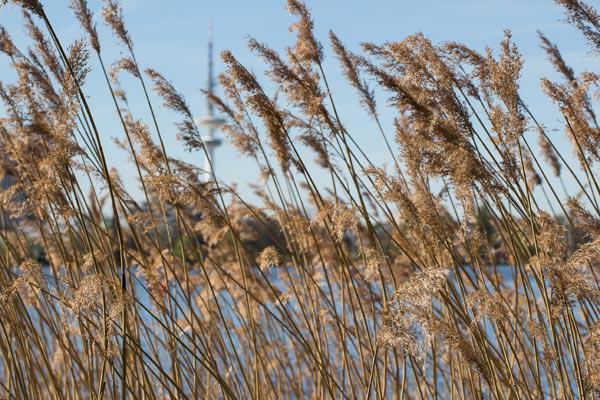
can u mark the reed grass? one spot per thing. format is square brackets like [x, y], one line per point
[464, 269]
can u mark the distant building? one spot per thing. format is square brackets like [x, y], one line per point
[209, 121]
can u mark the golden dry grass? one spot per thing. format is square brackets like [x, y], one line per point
[445, 276]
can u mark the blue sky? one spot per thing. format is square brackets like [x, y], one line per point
[171, 37]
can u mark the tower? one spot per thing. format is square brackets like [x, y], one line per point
[209, 122]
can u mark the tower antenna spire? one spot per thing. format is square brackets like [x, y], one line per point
[210, 84]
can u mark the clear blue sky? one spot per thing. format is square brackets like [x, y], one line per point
[171, 37]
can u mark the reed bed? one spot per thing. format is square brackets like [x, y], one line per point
[464, 269]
